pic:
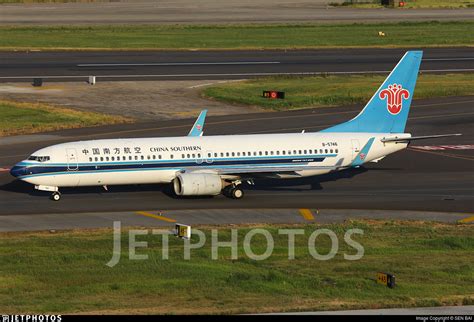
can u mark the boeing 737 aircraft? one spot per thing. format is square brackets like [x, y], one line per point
[198, 165]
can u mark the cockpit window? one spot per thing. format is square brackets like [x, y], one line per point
[39, 158]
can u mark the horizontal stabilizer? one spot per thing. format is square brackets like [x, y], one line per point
[413, 138]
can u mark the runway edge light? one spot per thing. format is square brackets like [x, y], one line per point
[386, 279]
[183, 231]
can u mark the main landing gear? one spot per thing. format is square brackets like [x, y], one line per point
[234, 191]
[56, 196]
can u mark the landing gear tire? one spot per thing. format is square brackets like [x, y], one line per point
[237, 193]
[56, 196]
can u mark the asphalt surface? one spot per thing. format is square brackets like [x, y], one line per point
[211, 12]
[163, 65]
[413, 179]
[196, 218]
[465, 311]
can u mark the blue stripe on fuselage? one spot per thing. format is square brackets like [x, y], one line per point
[37, 169]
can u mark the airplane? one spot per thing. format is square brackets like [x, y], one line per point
[198, 165]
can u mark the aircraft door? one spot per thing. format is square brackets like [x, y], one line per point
[355, 148]
[71, 159]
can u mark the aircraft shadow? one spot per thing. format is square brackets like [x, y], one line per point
[17, 186]
[301, 184]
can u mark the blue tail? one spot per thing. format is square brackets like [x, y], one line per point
[387, 111]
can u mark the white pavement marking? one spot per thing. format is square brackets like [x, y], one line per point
[219, 82]
[448, 59]
[181, 64]
[444, 147]
[237, 74]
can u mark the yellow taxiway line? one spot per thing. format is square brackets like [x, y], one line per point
[307, 214]
[466, 220]
[148, 214]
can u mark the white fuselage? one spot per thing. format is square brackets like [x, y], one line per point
[158, 160]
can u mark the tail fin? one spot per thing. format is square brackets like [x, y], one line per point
[387, 111]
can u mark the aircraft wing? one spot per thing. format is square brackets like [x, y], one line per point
[198, 127]
[255, 170]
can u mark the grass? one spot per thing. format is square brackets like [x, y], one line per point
[322, 91]
[412, 4]
[24, 118]
[287, 36]
[66, 272]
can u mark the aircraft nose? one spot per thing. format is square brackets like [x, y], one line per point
[18, 170]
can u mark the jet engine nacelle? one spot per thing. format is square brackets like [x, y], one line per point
[197, 184]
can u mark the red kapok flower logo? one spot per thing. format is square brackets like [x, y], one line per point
[394, 95]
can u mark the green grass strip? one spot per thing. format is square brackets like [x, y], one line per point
[422, 34]
[24, 118]
[322, 91]
[66, 272]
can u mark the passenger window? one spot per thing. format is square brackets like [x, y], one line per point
[294, 152]
[321, 151]
[142, 157]
[227, 154]
[310, 151]
[330, 150]
[189, 156]
[215, 155]
[148, 157]
[233, 154]
[337, 151]
[112, 158]
[305, 152]
[300, 152]
[326, 151]
[159, 156]
[266, 152]
[194, 156]
[208, 155]
[243, 153]
[222, 154]
[271, 152]
[171, 156]
[136, 157]
[283, 152]
[101, 158]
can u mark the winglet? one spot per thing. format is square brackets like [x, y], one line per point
[198, 127]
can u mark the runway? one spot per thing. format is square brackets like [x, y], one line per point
[418, 178]
[171, 65]
[212, 12]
